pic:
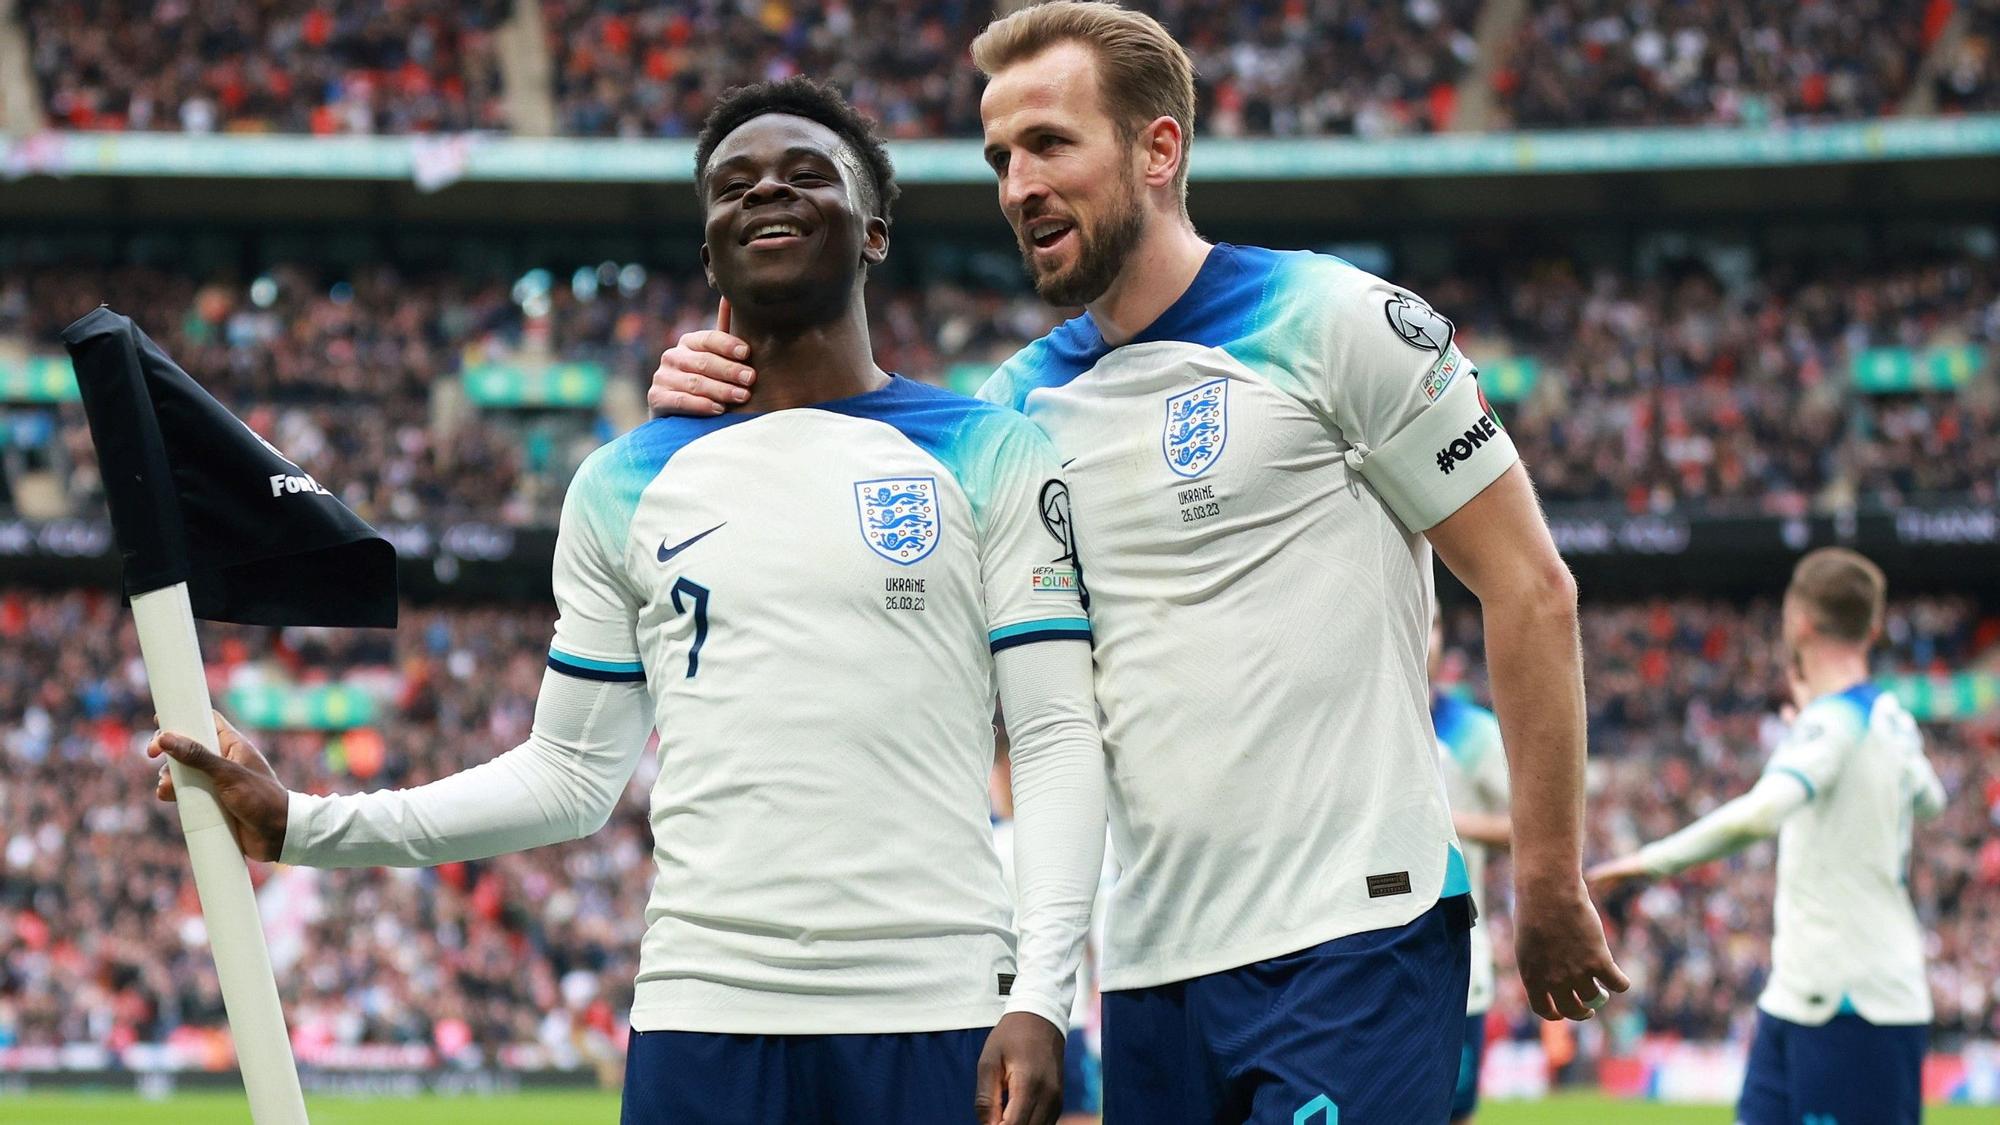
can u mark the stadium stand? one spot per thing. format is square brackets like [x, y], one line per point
[1328, 67]
[529, 956]
[207, 66]
[651, 70]
[1596, 62]
[1669, 392]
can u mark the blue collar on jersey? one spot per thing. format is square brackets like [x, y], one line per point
[1861, 697]
[1219, 306]
[655, 442]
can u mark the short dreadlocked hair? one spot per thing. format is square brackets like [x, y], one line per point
[815, 101]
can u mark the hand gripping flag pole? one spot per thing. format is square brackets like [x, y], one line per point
[213, 522]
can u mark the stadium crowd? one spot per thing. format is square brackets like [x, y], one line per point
[1311, 67]
[1751, 62]
[1372, 67]
[530, 956]
[293, 66]
[1660, 393]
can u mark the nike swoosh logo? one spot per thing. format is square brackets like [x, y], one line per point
[1068, 463]
[667, 553]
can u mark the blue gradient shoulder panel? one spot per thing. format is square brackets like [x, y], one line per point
[1467, 730]
[1262, 306]
[611, 480]
[1071, 349]
[1855, 705]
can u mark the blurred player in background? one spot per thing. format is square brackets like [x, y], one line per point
[1265, 449]
[1475, 783]
[813, 604]
[1842, 1024]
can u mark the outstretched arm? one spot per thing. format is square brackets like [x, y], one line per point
[1754, 816]
[1495, 830]
[559, 785]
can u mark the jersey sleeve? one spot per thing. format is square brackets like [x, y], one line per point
[1399, 390]
[597, 618]
[1034, 587]
[1737, 824]
[1816, 747]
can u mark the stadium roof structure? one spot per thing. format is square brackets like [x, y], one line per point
[1935, 165]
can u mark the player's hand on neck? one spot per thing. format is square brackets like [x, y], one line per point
[799, 364]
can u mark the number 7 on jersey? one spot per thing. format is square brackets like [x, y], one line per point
[698, 595]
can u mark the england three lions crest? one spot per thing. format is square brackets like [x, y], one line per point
[1197, 428]
[899, 516]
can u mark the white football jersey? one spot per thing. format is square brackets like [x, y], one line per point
[1847, 936]
[812, 597]
[1475, 781]
[1251, 475]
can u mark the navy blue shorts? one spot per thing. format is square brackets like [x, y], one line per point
[1847, 1070]
[697, 1078]
[1471, 1054]
[1362, 1030]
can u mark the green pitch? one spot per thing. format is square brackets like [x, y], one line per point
[586, 1108]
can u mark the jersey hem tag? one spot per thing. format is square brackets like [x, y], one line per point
[1394, 883]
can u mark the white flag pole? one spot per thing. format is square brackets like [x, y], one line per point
[167, 643]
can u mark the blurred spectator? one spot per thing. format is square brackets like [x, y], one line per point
[1736, 62]
[269, 66]
[1968, 79]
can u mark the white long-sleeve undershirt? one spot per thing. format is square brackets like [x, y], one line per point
[561, 784]
[1059, 809]
[1730, 828]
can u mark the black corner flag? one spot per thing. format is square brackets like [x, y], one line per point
[197, 497]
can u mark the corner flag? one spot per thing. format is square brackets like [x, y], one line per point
[197, 497]
[213, 522]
